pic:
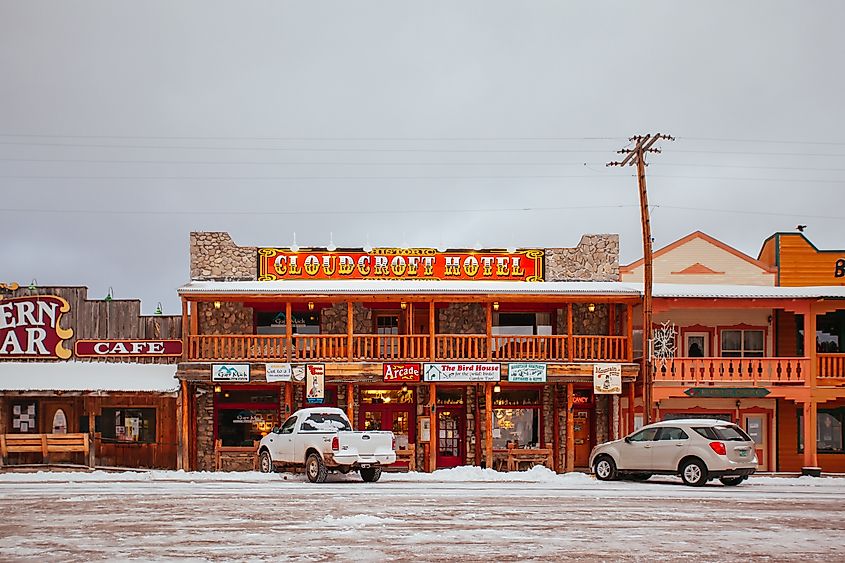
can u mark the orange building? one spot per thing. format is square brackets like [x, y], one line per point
[800, 263]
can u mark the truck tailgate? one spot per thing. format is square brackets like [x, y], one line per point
[365, 443]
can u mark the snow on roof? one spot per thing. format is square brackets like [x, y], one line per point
[428, 287]
[87, 376]
[404, 287]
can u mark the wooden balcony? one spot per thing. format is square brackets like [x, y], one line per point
[405, 347]
[732, 370]
[831, 366]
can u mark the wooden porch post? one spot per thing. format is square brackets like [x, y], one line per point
[432, 346]
[556, 429]
[433, 442]
[811, 406]
[630, 329]
[184, 456]
[488, 425]
[569, 332]
[288, 399]
[631, 411]
[350, 320]
[570, 429]
[350, 403]
[90, 410]
[185, 330]
[477, 427]
[489, 332]
[288, 333]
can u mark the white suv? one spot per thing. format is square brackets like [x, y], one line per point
[696, 449]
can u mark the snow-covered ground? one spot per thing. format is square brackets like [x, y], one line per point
[466, 514]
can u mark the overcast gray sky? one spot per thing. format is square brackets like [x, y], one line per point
[125, 125]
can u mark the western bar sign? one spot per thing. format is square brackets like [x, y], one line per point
[123, 348]
[30, 327]
[400, 264]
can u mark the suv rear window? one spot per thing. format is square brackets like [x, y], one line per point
[324, 422]
[725, 433]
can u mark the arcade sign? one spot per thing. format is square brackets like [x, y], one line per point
[30, 327]
[124, 348]
[400, 264]
[401, 373]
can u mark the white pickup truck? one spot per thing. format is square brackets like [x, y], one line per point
[322, 440]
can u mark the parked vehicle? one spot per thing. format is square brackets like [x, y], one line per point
[321, 440]
[698, 450]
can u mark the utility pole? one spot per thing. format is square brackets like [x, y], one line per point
[636, 156]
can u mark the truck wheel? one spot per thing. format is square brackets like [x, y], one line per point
[315, 469]
[265, 462]
[370, 474]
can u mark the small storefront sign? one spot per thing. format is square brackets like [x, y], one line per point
[607, 379]
[727, 392]
[123, 348]
[315, 382]
[279, 372]
[470, 373]
[527, 373]
[30, 327]
[230, 372]
[400, 263]
[401, 373]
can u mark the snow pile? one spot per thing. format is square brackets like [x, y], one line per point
[140, 476]
[469, 473]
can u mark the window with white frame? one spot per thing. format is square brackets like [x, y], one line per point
[743, 343]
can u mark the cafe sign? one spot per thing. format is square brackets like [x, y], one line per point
[607, 379]
[527, 373]
[123, 348]
[400, 264]
[401, 373]
[30, 327]
[230, 372]
[469, 373]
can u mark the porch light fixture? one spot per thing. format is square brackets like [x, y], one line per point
[217, 304]
[738, 403]
[294, 247]
[110, 295]
[217, 388]
[591, 307]
[310, 305]
[497, 388]
[403, 305]
[331, 247]
[404, 387]
[495, 305]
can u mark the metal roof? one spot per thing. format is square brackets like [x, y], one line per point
[87, 376]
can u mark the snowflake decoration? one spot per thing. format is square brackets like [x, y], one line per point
[663, 342]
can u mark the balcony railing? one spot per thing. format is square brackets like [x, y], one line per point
[732, 370]
[831, 366]
[405, 347]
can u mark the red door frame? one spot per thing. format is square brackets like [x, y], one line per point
[387, 410]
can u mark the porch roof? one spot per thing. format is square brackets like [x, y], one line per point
[745, 291]
[87, 376]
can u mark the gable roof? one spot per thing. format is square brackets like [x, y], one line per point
[627, 269]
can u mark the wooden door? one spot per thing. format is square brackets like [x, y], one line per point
[451, 422]
[583, 437]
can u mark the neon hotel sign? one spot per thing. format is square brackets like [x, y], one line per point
[400, 263]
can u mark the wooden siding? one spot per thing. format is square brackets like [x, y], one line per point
[786, 333]
[801, 264]
[115, 319]
[790, 459]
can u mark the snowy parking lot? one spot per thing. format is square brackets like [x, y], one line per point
[464, 514]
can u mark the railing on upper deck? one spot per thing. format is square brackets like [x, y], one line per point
[831, 366]
[732, 370]
[410, 347]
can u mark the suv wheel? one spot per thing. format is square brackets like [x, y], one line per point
[605, 468]
[732, 481]
[315, 469]
[265, 462]
[694, 473]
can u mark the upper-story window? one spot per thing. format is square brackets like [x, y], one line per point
[746, 343]
[273, 322]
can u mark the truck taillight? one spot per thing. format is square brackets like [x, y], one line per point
[335, 444]
[719, 448]
[393, 444]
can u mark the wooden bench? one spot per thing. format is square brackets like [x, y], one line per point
[538, 456]
[45, 444]
[409, 455]
[248, 453]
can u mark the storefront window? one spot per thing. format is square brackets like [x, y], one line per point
[386, 396]
[128, 425]
[742, 343]
[273, 322]
[453, 396]
[829, 431]
[24, 419]
[516, 418]
[244, 415]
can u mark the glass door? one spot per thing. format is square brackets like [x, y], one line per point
[755, 427]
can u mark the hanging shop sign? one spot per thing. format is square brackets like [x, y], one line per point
[315, 382]
[527, 373]
[230, 372]
[607, 379]
[279, 372]
[123, 348]
[727, 392]
[401, 373]
[400, 263]
[470, 373]
[30, 327]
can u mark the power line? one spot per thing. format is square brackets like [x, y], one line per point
[763, 141]
[308, 139]
[741, 212]
[749, 178]
[286, 163]
[298, 178]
